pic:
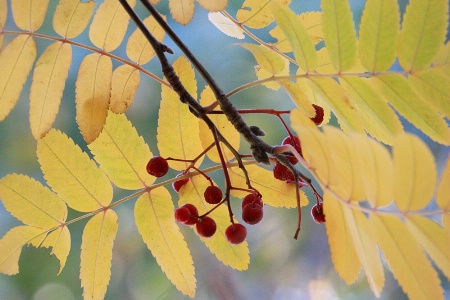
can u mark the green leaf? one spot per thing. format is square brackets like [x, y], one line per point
[378, 33]
[339, 33]
[423, 33]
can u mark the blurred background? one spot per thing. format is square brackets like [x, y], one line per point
[280, 267]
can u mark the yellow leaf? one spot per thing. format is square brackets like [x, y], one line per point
[71, 17]
[225, 25]
[345, 178]
[334, 95]
[124, 84]
[299, 120]
[178, 128]
[223, 125]
[407, 261]
[396, 89]
[433, 238]
[71, 174]
[31, 202]
[213, 5]
[443, 55]
[59, 240]
[139, 49]
[49, 78]
[96, 254]
[266, 58]
[154, 215]
[109, 25]
[377, 170]
[414, 173]
[378, 34]
[423, 33]
[324, 65]
[432, 85]
[93, 91]
[312, 22]
[443, 190]
[264, 74]
[182, 11]
[122, 153]
[339, 33]
[296, 92]
[257, 13]
[235, 256]
[366, 248]
[300, 41]
[380, 120]
[3, 17]
[11, 246]
[343, 253]
[29, 14]
[16, 60]
[274, 192]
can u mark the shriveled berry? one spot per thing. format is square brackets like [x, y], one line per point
[206, 227]
[318, 118]
[252, 213]
[281, 172]
[317, 213]
[296, 144]
[193, 218]
[252, 198]
[213, 194]
[182, 214]
[179, 183]
[157, 166]
[236, 233]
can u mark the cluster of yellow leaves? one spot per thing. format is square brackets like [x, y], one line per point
[373, 199]
[367, 91]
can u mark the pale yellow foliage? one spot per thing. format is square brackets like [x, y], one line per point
[122, 153]
[182, 11]
[226, 25]
[155, 221]
[124, 84]
[59, 240]
[16, 60]
[96, 254]
[29, 14]
[443, 191]
[296, 92]
[49, 78]
[257, 13]
[214, 6]
[72, 174]
[72, 17]
[93, 91]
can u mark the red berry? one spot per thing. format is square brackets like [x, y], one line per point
[157, 166]
[193, 217]
[252, 198]
[236, 233]
[252, 213]
[318, 118]
[182, 214]
[206, 227]
[317, 213]
[178, 184]
[281, 172]
[296, 144]
[213, 194]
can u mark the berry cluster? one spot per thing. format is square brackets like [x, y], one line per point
[280, 171]
[188, 215]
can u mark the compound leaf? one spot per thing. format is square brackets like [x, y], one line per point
[11, 246]
[49, 78]
[423, 33]
[124, 84]
[93, 91]
[16, 60]
[378, 34]
[414, 173]
[31, 202]
[72, 174]
[178, 128]
[339, 33]
[109, 25]
[407, 261]
[96, 254]
[154, 215]
[235, 256]
[122, 153]
[29, 14]
[72, 17]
